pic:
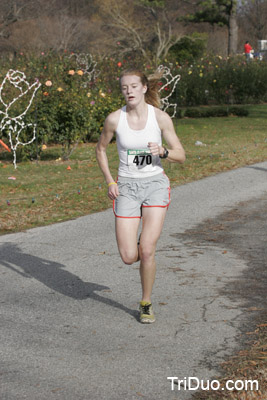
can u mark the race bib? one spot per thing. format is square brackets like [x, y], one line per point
[138, 159]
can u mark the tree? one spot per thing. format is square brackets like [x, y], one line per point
[38, 24]
[218, 12]
[144, 27]
[253, 17]
[11, 11]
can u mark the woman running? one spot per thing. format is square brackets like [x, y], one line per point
[142, 189]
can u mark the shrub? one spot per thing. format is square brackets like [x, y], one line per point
[206, 112]
[221, 81]
[238, 111]
[74, 99]
[78, 92]
[189, 48]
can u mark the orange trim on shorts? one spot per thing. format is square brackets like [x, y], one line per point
[167, 205]
[118, 216]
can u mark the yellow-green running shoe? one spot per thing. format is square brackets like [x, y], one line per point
[146, 313]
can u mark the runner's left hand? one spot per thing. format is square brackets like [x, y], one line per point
[155, 149]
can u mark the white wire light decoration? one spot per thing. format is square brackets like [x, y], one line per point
[171, 82]
[86, 63]
[15, 125]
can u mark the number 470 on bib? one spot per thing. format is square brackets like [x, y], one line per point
[140, 157]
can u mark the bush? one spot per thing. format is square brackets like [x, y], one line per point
[78, 92]
[239, 111]
[189, 48]
[221, 81]
[207, 112]
[73, 101]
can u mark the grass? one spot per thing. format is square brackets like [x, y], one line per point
[249, 364]
[46, 192]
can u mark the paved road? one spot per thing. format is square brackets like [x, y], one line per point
[69, 326]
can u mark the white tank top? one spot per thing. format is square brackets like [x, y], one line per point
[136, 161]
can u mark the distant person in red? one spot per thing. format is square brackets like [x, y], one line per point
[247, 49]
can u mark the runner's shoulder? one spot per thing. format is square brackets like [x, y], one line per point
[162, 117]
[112, 120]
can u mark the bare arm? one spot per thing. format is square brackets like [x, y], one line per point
[174, 146]
[101, 155]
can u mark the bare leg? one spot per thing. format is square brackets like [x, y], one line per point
[153, 219]
[126, 234]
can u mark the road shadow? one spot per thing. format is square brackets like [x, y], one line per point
[55, 276]
[258, 168]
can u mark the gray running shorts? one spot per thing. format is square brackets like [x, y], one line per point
[135, 193]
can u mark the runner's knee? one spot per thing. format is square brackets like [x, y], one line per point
[147, 252]
[129, 257]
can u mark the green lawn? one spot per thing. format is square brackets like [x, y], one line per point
[48, 192]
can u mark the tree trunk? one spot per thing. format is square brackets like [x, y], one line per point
[232, 31]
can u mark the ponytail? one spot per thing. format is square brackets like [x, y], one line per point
[152, 95]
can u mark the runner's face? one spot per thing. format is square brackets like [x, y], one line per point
[132, 89]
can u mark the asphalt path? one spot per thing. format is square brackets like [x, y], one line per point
[69, 322]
